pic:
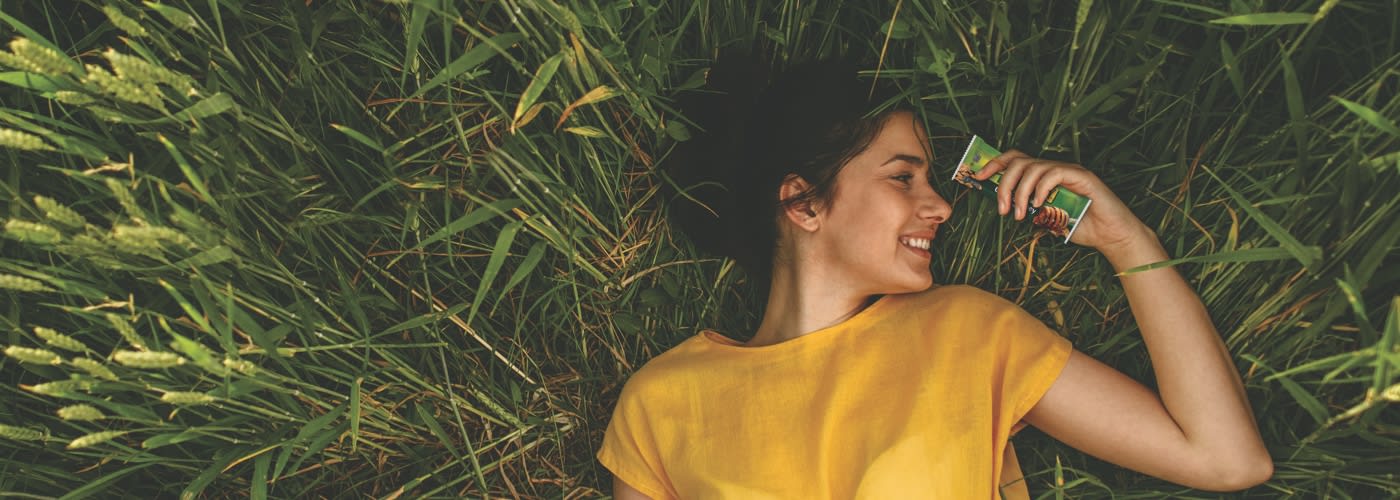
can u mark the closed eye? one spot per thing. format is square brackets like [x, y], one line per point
[905, 178]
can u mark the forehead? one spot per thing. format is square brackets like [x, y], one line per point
[901, 134]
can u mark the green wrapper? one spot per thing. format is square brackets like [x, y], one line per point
[1060, 213]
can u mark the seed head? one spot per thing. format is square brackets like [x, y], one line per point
[22, 284]
[35, 356]
[497, 408]
[22, 433]
[58, 212]
[150, 237]
[187, 398]
[178, 18]
[80, 412]
[14, 139]
[125, 198]
[142, 72]
[94, 368]
[60, 387]
[40, 59]
[125, 90]
[241, 366]
[127, 24]
[72, 97]
[94, 439]
[32, 232]
[128, 332]
[60, 340]
[13, 61]
[149, 359]
[1391, 393]
[133, 240]
[83, 245]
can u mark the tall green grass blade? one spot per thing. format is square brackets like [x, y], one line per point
[1293, 94]
[31, 81]
[470, 60]
[493, 266]
[1266, 19]
[102, 484]
[1305, 254]
[258, 486]
[1370, 116]
[471, 219]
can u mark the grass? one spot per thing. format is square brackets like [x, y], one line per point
[415, 248]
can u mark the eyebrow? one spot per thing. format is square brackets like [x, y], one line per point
[917, 161]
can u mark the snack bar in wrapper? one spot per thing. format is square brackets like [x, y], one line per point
[1062, 208]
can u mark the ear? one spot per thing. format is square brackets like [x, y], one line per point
[804, 214]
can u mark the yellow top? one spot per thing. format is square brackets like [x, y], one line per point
[916, 396]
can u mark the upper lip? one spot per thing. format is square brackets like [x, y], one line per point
[926, 234]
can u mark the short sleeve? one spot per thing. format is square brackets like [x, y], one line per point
[1031, 357]
[629, 447]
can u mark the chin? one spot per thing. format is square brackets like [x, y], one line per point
[914, 286]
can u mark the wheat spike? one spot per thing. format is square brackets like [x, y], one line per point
[32, 232]
[60, 340]
[94, 368]
[72, 98]
[59, 387]
[80, 412]
[187, 398]
[94, 439]
[130, 26]
[149, 360]
[22, 284]
[104, 82]
[127, 331]
[57, 212]
[22, 433]
[141, 72]
[241, 366]
[41, 59]
[26, 141]
[32, 355]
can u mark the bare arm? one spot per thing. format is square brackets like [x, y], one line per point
[1199, 431]
[624, 491]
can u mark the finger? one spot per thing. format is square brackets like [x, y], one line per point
[992, 167]
[1048, 183]
[1028, 183]
[997, 164]
[1014, 170]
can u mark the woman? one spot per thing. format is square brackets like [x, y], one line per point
[862, 380]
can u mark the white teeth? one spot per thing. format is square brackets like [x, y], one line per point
[919, 243]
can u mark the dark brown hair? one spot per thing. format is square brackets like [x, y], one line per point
[809, 120]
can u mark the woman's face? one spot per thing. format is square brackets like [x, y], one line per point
[878, 224]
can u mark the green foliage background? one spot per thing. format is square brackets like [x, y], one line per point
[416, 247]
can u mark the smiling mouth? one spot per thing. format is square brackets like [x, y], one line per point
[919, 243]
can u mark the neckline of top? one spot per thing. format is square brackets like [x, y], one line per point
[716, 339]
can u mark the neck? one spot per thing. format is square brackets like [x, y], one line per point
[802, 300]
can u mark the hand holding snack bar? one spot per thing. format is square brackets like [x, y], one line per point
[1027, 181]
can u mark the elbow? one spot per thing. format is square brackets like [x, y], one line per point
[1238, 480]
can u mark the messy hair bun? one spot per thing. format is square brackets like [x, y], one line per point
[809, 120]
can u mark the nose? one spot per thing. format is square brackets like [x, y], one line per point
[933, 207]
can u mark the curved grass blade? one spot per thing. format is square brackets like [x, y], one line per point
[1370, 115]
[463, 223]
[543, 75]
[473, 58]
[493, 266]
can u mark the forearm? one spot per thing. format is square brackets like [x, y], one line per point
[1196, 378]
